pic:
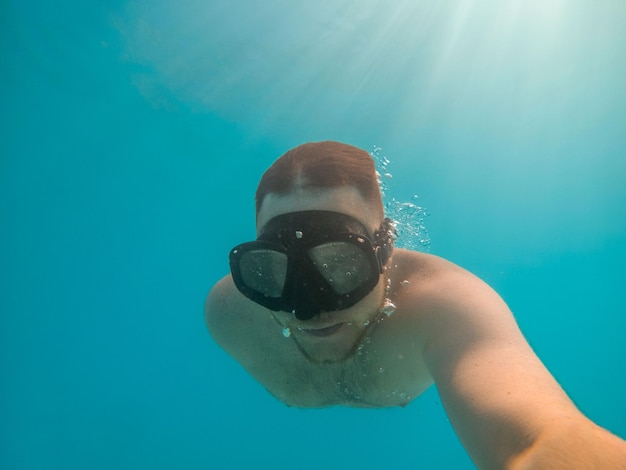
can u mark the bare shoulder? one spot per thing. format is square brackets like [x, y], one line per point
[430, 271]
[433, 284]
[230, 317]
[220, 306]
[454, 310]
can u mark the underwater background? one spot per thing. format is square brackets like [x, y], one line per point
[133, 135]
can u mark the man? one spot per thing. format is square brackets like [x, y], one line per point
[323, 311]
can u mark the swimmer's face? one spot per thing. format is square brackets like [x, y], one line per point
[329, 336]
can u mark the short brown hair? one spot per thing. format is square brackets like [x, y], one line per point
[322, 165]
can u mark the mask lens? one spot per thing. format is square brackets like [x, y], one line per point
[264, 271]
[344, 266]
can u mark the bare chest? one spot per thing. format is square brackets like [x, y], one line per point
[379, 374]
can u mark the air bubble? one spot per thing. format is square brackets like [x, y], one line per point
[298, 234]
[405, 282]
[408, 217]
[388, 308]
[286, 332]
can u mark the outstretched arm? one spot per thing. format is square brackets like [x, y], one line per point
[505, 406]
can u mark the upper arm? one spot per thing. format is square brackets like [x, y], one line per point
[497, 393]
[237, 325]
[225, 316]
[214, 306]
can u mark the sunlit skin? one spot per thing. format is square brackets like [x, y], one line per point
[448, 327]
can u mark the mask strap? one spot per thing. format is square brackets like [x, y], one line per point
[383, 240]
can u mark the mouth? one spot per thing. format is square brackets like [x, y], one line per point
[321, 332]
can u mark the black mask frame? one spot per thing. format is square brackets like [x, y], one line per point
[305, 291]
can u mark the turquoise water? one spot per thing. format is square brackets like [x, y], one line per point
[133, 136]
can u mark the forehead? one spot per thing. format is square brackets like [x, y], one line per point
[346, 200]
